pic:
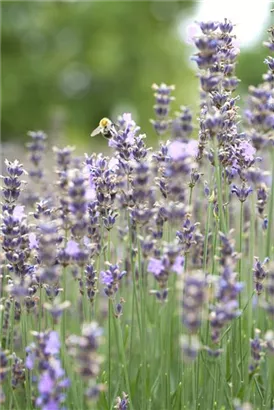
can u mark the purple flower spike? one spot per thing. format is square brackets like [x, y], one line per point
[122, 403]
[182, 125]
[256, 346]
[180, 150]
[53, 344]
[259, 273]
[194, 297]
[111, 278]
[178, 265]
[208, 26]
[52, 382]
[242, 192]
[72, 248]
[227, 290]
[162, 107]
[84, 351]
[155, 266]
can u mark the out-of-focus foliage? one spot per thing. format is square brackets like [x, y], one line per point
[66, 65]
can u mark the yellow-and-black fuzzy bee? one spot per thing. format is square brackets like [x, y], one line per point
[106, 128]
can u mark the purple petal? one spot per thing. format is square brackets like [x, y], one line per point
[179, 150]
[56, 366]
[19, 213]
[33, 243]
[155, 266]
[46, 383]
[30, 360]
[51, 405]
[72, 248]
[178, 265]
[106, 278]
[53, 343]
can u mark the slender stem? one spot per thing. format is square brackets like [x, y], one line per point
[109, 351]
[215, 244]
[240, 279]
[241, 245]
[11, 326]
[85, 296]
[135, 303]
[143, 295]
[64, 280]
[219, 187]
[163, 352]
[40, 308]
[189, 203]
[226, 211]
[190, 196]
[250, 275]
[64, 275]
[117, 324]
[208, 218]
[270, 212]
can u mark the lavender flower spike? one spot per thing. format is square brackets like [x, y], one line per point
[122, 403]
[111, 278]
[162, 107]
[52, 381]
[259, 274]
[242, 193]
[12, 184]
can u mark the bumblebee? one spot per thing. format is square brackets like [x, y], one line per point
[106, 128]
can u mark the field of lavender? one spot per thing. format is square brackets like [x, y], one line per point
[145, 280]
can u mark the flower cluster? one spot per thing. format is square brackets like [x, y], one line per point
[256, 347]
[12, 185]
[169, 262]
[260, 108]
[227, 290]
[163, 99]
[259, 274]
[4, 368]
[52, 382]
[111, 278]
[84, 350]
[122, 403]
[194, 297]
[268, 302]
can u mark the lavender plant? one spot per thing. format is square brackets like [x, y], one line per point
[143, 278]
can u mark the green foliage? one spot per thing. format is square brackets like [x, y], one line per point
[74, 63]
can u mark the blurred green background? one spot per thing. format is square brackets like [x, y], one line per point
[65, 65]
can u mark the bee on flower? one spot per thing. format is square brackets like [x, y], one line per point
[106, 128]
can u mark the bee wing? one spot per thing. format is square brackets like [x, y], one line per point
[115, 128]
[96, 131]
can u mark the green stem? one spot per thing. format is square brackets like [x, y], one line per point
[64, 279]
[25, 333]
[40, 308]
[190, 196]
[11, 326]
[240, 279]
[109, 351]
[124, 360]
[85, 296]
[215, 244]
[219, 187]
[189, 203]
[135, 303]
[208, 219]
[64, 299]
[163, 353]
[143, 294]
[270, 212]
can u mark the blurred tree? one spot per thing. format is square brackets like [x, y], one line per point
[66, 65]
